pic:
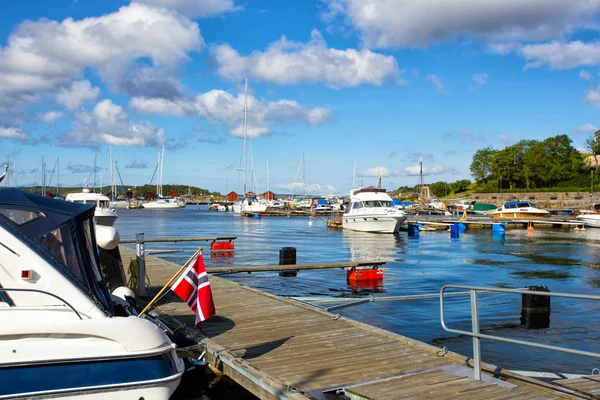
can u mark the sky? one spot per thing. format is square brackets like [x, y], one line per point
[359, 87]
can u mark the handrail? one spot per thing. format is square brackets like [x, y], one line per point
[476, 335]
[43, 292]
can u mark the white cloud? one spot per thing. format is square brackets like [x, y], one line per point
[583, 74]
[375, 172]
[108, 123]
[77, 94]
[401, 23]
[286, 62]
[195, 8]
[560, 56]
[45, 55]
[51, 116]
[137, 164]
[587, 128]
[219, 106]
[592, 96]
[313, 188]
[436, 81]
[480, 79]
[12, 134]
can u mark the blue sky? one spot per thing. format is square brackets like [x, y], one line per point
[379, 83]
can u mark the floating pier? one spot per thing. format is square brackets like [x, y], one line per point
[281, 349]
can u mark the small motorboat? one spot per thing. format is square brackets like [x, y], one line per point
[371, 210]
[519, 209]
[60, 336]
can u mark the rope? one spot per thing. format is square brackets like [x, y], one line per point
[132, 282]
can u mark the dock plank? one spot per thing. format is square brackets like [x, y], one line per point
[270, 344]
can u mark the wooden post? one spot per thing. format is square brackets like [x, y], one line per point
[140, 254]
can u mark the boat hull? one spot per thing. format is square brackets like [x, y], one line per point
[519, 214]
[155, 205]
[592, 220]
[372, 223]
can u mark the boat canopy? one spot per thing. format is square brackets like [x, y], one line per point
[60, 232]
[518, 204]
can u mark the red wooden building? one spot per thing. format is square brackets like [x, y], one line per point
[232, 196]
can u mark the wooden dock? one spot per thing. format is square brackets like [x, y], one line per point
[280, 349]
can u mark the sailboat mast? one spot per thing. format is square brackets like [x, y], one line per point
[95, 155]
[57, 175]
[302, 174]
[158, 177]
[43, 177]
[162, 162]
[267, 176]
[15, 170]
[112, 180]
[245, 129]
[421, 177]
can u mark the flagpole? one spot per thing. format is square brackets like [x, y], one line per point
[166, 287]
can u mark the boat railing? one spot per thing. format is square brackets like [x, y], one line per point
[475, 330]
[43, 292]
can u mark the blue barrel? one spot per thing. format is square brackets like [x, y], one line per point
[498, 228]
[413, 231]
[454, 231]
[256, 216]
[462, 227]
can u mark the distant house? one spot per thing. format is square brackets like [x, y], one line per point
[268, 195]
[232, 196]
[173, 194]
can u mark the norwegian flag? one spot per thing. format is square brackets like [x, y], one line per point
[193, 288]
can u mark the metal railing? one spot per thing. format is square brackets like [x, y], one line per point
[43, 292]
[477, 335]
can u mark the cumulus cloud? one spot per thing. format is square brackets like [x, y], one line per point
[435, 81]
[408, 171]
[12, 133]
[78, 93]
[137, 164]
[51, 116]
[287, 62]
[400, 23]
[592, 97]
[45, 55]
[313, 188]
[79, 169]
[480, 80]
[559, 55]
[587, 128]
[218, 106]
[195, 8]
[583, 74]
[108, 123]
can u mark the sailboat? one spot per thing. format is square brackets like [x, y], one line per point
[251, 203]
[160, 202]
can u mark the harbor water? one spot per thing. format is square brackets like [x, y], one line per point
[563, 260]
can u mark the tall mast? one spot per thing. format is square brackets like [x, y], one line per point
[43, 177]
[95, 155]
[267, 176]
[112, 180]
[302, 174]
[245, 129]
[421, 177]
[162, 162]
[57, 175]
[15, 170]
[158, 177]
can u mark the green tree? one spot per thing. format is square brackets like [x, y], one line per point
[592, 144]
[460, 186]
[481, 168]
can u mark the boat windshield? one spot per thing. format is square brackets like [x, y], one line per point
[59, 244]
[378, 203]
[103, 204]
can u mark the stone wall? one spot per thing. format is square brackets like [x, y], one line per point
[547, 200]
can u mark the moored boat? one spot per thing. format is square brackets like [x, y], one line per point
[519, 209]
[589, 219]
[371, 210]
[59, 334]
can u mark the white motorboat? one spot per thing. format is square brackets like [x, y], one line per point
[589, 219]
[371, 210]
[436, 204]
[59, 335]
[107, 237]
[519, 209]
[250, 204]
[161, 203]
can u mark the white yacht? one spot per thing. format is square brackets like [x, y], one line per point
[105, 216]
[250, 204]
[161, 203]
[519, 209]
[371, 210]
[59, 336]
[589, 219]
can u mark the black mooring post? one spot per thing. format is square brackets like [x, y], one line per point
[287, 256]
[140, 254]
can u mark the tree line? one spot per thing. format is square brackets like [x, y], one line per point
[531, 164]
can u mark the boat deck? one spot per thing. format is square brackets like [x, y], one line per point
[277, 348]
